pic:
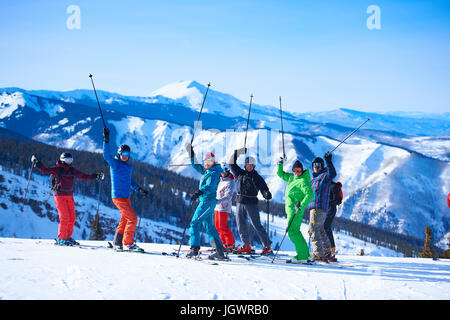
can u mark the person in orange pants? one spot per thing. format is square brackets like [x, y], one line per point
[121, 183]
[224, 197]
[62, 184]
[128, 220]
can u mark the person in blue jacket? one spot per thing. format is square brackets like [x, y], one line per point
[204, 214]
[121, 183]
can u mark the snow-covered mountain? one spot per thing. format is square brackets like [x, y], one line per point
[395, 170]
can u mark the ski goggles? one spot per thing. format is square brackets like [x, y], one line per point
[68, 160]
[317, 165]
[297, 170]
[125, 154]
[210, 162]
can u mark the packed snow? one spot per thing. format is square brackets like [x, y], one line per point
[37, 269]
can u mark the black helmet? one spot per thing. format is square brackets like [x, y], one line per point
[319, 161]
[124, 148]
[297, 164]
[250, 160]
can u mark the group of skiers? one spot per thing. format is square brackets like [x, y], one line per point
[316, 195]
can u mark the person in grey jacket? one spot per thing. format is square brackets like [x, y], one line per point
[224, 198]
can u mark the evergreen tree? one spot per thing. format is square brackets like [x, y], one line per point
[427, 251]
[96, 229]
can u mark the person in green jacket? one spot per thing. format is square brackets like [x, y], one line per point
[297, 197]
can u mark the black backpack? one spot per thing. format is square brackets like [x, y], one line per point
[336, 194]
[55, 180]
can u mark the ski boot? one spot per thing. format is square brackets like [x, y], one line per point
[298, 261]
[133, 247]
[332, 255]
[229, 248]
[117, 242]
[244, 249]
[194, 253]
[62, 242]
[72, 242]
[315, 258]
[219, 254]
[267, 251]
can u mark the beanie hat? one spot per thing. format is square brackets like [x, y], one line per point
[209, 156]
[297, 164]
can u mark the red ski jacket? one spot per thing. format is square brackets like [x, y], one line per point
[67, 174]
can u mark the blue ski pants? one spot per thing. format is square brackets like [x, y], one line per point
[204, 215]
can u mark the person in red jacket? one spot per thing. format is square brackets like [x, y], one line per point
[63, 176]
[448, 200]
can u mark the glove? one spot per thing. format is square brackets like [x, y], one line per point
[106, 134]
[190, 150]
[34, 160]
[240, 151]
[298, 206]
[196, 195]
[328, 156]
[267, 195]
[99, 176]
[281, 161]
[143, 192]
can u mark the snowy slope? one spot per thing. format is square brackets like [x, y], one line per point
[36, 269]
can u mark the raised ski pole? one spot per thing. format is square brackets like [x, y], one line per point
[287, 229]
[199, 114]
[350, 135]
[98, 102]
[282, 130]
[28, 183]
[248, 120]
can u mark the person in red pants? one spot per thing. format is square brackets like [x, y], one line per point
[448, 200]
[224, 197]
[63, 175]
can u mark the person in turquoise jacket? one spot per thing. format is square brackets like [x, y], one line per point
[204, 214]
[297, 197]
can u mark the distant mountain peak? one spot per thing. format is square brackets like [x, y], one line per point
[182, 91]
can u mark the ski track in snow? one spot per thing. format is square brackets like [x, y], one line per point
[37, 269]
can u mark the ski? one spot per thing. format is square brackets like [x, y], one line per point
[200, 251]
[141, 251]
[265, 259]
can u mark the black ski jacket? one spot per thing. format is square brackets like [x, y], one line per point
[249, 184]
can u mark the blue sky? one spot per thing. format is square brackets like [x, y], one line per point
[318, 55]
